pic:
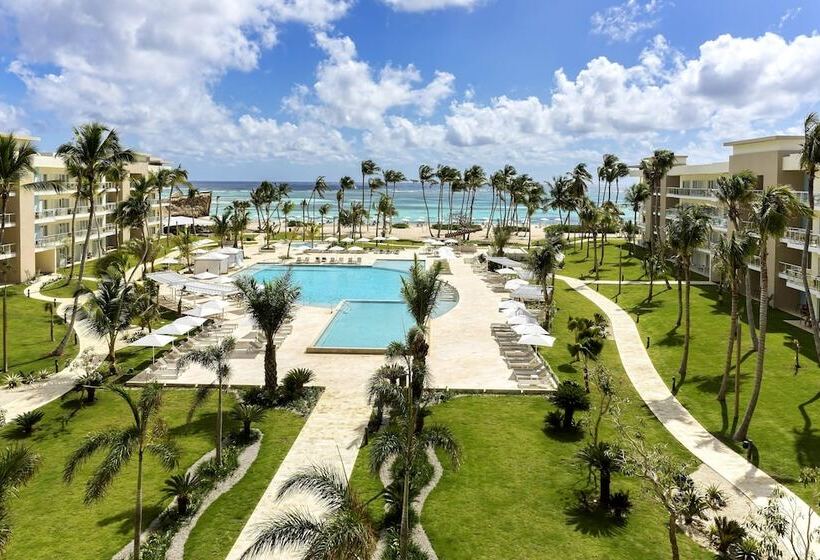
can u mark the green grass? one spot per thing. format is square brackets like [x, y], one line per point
[65, 289]
[49, 518]
[29, 341]
[218, 528]
[524, 481]
[785, 425]
[577, 264]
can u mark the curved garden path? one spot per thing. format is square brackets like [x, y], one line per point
[748, 479]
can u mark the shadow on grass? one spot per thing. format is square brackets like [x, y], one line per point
[593, 523]
[807, 444]
[563, 436]
[124, 520]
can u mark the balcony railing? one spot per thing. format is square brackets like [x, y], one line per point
[7, 251]
[754, 261]
[691, 192]
[793, 273]
[68, 211]
[46, 241]
[798, 235]
[9, 219]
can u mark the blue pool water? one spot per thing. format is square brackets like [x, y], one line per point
[366, 324]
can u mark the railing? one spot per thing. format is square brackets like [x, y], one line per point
[46, 241]
[9, 219]
[689, 191]
[794, 273]
[7, 250]
[68, 211]
[798, 235]
[754, 261]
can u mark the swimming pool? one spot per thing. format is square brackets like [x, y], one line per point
[372, 312]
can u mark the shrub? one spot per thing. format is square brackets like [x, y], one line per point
[29, 377]
[26, 421]
[724, 533]
[259, 396]
[182, 487]
[715, 497]
[401, 225]
[209, 470]
[570, 397]
[294, 382]
[553, 420]
[88, 383]
[12, 380]
[620, 505]
[43, 374]
[246, 414]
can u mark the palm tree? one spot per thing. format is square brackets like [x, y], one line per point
[239, 219]
[426, 177]
[318, 191]
[184, 242]
[222, 225]
[570, 398]
[501, 238]
[182, 487]
[543, 261]
[689, 230]
[420, 290]
[109, 310]
[169, 178]
[604, 458]
[93, 152]
[16, 159]
[145, 435]
[374, 184]
[636, 196]
[771, 211]
[257, 199]
[368, 167]
[736, 193]
[190, 201]
[809, 163]
[18, 465]
[732, 254]
[560, 197]
[133, 213]
[324, 210]
[247, 414]
[654, 169]
[346, 183]
[271, 305]
[605, 174]
[345, 530]
[445, 175]
[589, 342]
[215, 358]
[620, 171]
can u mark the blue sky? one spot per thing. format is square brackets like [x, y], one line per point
[290, 89]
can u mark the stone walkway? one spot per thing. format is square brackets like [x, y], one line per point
[750, 480]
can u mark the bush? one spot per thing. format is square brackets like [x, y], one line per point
[246, 414]
[294, 382]
[570, 397]
[26, 421]
[725, 533]
[715, 497]
[211, 472]
[182, 487]
[259, 396]
[401, 225]
[12, 380]
[620, 505]
[553, 420]
[29, 377]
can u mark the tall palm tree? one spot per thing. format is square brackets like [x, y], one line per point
[771, 211]
[109, 310]
[732, 254]
[93, 152]
[215, 358]
[18, 465]
[118, 175]
[420, 290]
[318, 191]
[654, 169]
[146, 434]
[346, 183]
[257, 199]
[281, 191]
[809, 163]
[190, 201]
[184, 242]
[271, 305]
[736, 193]
[689, 230]
[621, 171]
[134, 211]
[16, 159]
[560, 197]
[222, 225]
[324, 210]
[444, 175]
[605, 174]
[346, 530]
[636, 196]
[171, 179]
[543, 261]
[368, 167]
[391, 177]
[373, 184]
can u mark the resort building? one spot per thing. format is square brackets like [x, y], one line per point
[775, 160]
[38, 223]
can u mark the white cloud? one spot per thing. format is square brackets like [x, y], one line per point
[624, 21]
[788, 15]
[11, 118]
[429, 5]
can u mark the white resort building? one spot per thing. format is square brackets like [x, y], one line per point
[775, 160]
[38, 223]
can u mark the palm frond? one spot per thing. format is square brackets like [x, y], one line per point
[120, 450]
[166, 451]
[90, 445]
[387, 444]
[441, 438]
[294, 528]
[200, 397]
[17, 465]
[324, 483]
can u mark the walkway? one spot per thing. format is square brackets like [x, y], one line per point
[750, 480]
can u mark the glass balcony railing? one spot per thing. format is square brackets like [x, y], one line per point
[798, 235]
[792, 273]
[7, 250]
[68, 211]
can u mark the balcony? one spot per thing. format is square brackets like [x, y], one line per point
[50, 241]
[795, 237]
[689, 192]
[56, 213]
[7, 251]
[794, 279]
[9, 220]
[754, 263]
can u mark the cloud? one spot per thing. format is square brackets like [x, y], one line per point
[11, 118]
[624, 21]
[788, 15]
[429, 5]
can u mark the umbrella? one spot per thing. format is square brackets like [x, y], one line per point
[514, 311]
[521, 320]
[347, 240]
[206, 275]
[175, 329]
[514, 284]
[506, 272]
[331, 239]
[153, 341]
[356, 249]
[511, 304]
[216, 304]
[201, 311]
[392, 238]
[379, 238]
[529, 328]
[336, 249]
[537, 340]
[363, 240]
[193, 321]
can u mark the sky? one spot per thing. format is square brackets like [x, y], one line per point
[292, 89]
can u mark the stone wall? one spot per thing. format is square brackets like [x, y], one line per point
[198, 207]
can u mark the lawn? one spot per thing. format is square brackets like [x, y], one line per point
[782, 428]
[29, 340]
[49, 518]
[65, 289]
[524, 481]
[577, 264]
[218, 528]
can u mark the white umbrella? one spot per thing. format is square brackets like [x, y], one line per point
[336, 249]
[347, 240]
[379, 238]
[506, 272]
[363, 240]
[175, 329]
[205, 275]
[355, 249]
[515, 311]
[521, 320]
[537, 340]
[529, 328]
[216, 304]
[514, 284]
[392, 238]
[153, 341]
[201, 311]
[331, 239]
[511, 304]
[193, 321]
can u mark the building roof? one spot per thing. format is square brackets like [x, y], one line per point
[504, 261]
[778, 137]
[213, 256]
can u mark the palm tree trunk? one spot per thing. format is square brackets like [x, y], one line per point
[219, 425]
[5, 328]
[737, 376]
[743, 429]
[404, 529]
[440, 201]
[138, 508]
[750, 314]
[680, 295]
[492, 214]
[673, 536]
[270, 362]
[72, 248]
[3, 202]
[724, 382]
[426, 209]
[804, 264]
[684, 363]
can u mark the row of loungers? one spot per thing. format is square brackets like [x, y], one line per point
[328, 260]
[527, 367]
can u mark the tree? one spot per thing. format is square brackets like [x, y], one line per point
[368, 168]
[221, 227]
[543, 261]
[324, 210]
[427, 177]
[93, 152]
[318, 191]
[184, 242]
[215, 358]
[110, 311]
[654, 169]
[636, 196]
[18, 465]
[133, 213]
[182, 487]
[570, 398]
[346, 529]
[561, 197]
[146, 434]
[247, 414]
[420, 290]
[501, 237]
[445, 175]
[171, 179]
[736, 193]
[772, 209]
[346, 183]
[590, 335]
[16, 159]
[605, 459]
[689, 230]
[809, 163]
[271, 305]
[239, 220]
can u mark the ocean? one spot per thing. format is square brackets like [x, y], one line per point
[408, 199]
